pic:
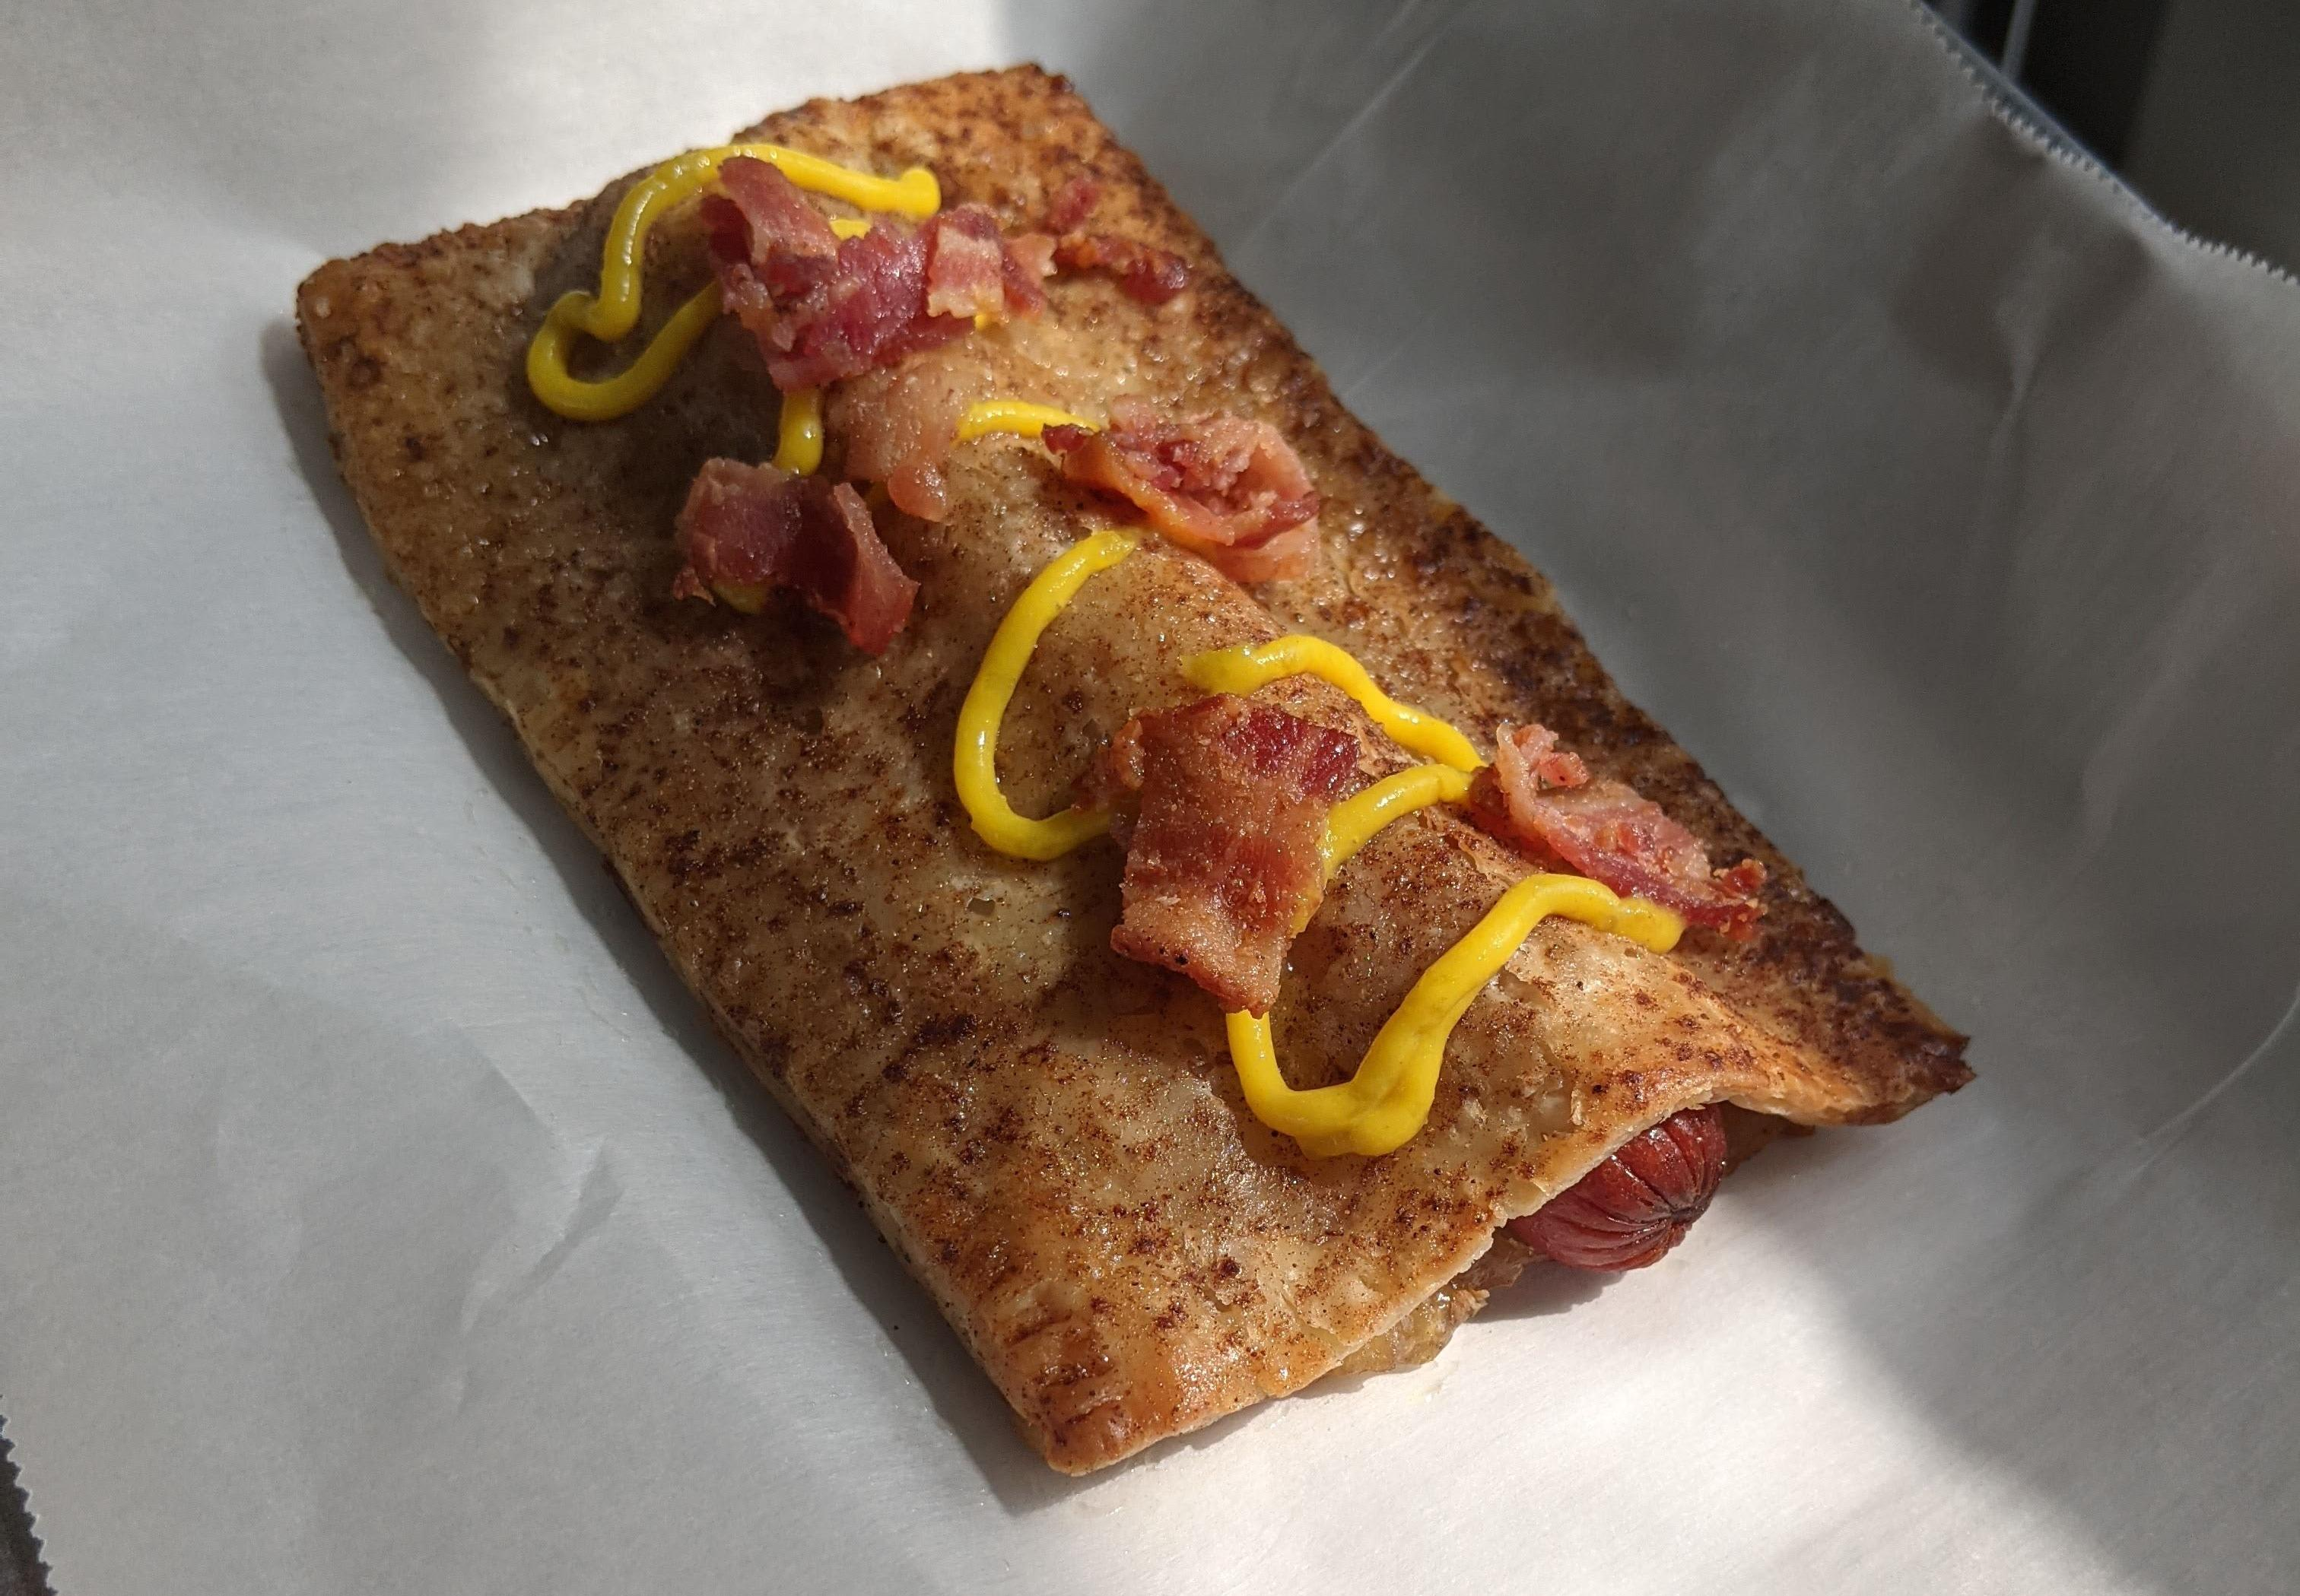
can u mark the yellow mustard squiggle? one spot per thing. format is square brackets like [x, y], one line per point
[975, 761]
[1252, 665]
[799, 446]
[1020, 417]
[611, 312]
[1387, 1101]
[1354, 821]
[617, 395]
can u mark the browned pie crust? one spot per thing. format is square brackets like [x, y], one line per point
[1051, 1137]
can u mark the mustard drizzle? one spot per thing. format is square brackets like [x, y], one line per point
[974, 762]
[1018, 416]
[1387, 1101]
[798, 443]
[1354, 821]
[612, 312]
[1251, 665]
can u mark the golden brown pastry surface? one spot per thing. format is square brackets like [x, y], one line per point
[1050, 1135]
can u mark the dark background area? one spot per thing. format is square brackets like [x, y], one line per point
[2191, 101]
[20, 1572]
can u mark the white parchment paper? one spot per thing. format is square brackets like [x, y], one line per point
[376, 1213]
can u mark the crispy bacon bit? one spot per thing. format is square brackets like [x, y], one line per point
[872, 314]
[1222, 863]
[1528, 759]
[1072, 204]
[1541, 799]
[1222, 486]
[1637, 1205]
[966, 269]
[898, 427]
[818, 319]
[765, 238]
[1112, 778]
[1143, 270]
[867, 302]
[747, 529]
[970, 271]
[1033, 253]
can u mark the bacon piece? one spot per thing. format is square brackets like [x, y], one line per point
[1222, 486]
[1637, 1205]
[897, 427]
[872, 312]
[1542, 800]
[765, 238]
[1072, 204]
[1222, 862]
[971, 270]
[1143, 270]
[965, 270]
[1022, 274]
[1033, 253]
[780, 230]
[1528, 759]
[822, 314]
[1288, 557]
[1112, 780]
[747, 529]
